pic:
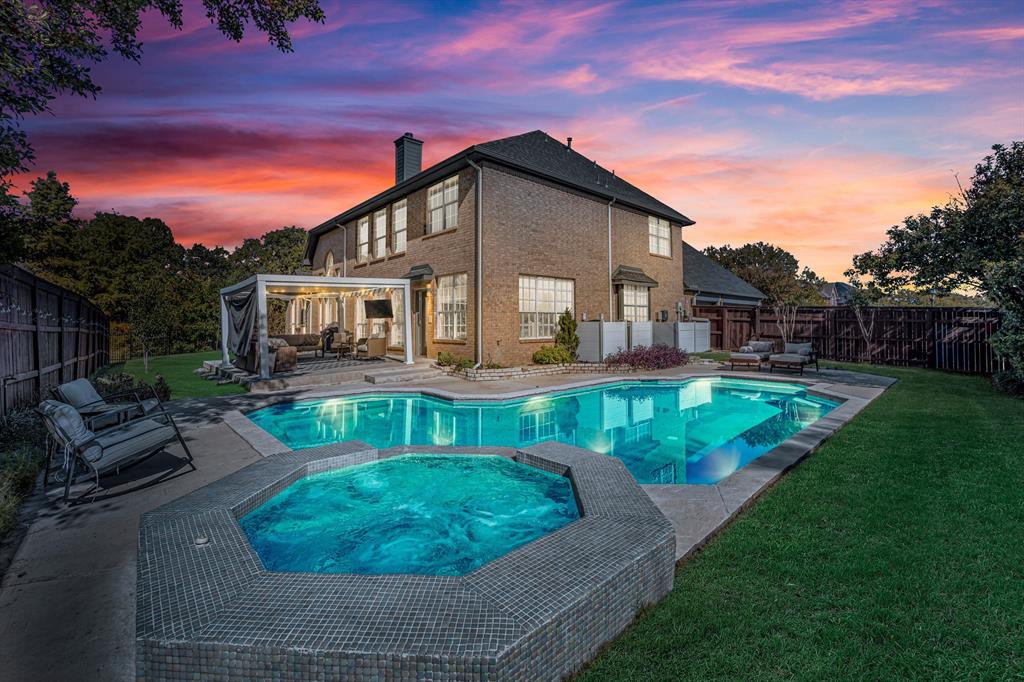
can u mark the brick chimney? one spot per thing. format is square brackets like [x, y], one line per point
[408, 157]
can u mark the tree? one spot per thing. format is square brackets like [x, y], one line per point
[50, 248]
[566, 336]
[975, 242]
[117, 253]
[279, 251]
[151, 315]
[48, 46]
[773, 270]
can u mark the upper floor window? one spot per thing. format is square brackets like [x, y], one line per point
[329, 265]
[635, 303]
[450, 322]
[398, 226]
[363, 238]
[541, 301]
[660, 238]
[443, 205]
[380, 233]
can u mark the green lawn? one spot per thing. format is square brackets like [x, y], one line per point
[720, 355]
[896, 551]
[178, 371]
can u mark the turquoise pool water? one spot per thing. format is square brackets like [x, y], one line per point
[429, 514]
[694, 431]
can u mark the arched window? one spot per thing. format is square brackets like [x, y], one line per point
[329, 264]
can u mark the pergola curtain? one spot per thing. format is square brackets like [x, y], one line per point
[241, 320]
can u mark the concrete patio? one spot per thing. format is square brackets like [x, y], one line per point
[67, 603]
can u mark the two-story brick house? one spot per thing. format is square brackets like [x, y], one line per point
[497, 241]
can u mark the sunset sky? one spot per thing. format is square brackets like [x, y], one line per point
[812, 128]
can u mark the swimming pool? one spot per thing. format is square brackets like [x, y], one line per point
[425, 514]
[692, 431]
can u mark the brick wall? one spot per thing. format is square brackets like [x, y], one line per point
[530, 227]
[449, 252]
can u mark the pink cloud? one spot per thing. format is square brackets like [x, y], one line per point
[987, 35]
[530, 30]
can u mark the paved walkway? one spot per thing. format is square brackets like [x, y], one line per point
[67, 602]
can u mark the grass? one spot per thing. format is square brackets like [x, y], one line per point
[720, 355]
[21, 455]
[178, 372]
[896, 551]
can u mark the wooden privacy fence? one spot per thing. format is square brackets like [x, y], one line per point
[48, 335]
[952, 339]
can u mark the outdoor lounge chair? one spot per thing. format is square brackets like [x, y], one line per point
[794, 356]
[100, 412]
[371, 347]
[110, 450]
[751, 354]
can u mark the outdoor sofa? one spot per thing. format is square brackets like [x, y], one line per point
[794, 356]
[101, 412]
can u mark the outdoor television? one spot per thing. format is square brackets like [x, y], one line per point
[378, 309]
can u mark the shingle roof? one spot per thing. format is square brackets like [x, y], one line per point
[703, 274]
[545, 155]
[625, 273]
[535, 152]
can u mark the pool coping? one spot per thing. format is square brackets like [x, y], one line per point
[207, 607]
[697, 511]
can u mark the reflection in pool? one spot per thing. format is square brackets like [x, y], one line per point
[693, 431]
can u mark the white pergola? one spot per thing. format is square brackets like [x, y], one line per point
[289, 287]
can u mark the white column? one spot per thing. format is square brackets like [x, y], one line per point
[407, 315]
[225, 360]
[264, 335]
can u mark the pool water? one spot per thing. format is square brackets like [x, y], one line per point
[694, 431]
[427, 514]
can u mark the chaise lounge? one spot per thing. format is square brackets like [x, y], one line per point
[751, 354]
[108, 450]
[794, 356]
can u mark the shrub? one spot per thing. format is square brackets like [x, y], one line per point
[1010, 381]
[493, 365]
[552, 355]
[463, 363]
[110, 384]
[649, 358]
[162, 390]
[566, 336]
[445, 359]
[21, 428]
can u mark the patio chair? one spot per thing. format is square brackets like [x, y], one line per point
[102, 412]
[341, 343]
[111, 449]
[794, 356]
[371, 347]
[753, 353]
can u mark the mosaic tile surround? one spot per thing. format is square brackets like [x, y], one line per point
[212, 612]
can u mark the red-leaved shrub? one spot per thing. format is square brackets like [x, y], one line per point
[653, 357]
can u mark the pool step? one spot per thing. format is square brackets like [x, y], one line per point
[391, 376]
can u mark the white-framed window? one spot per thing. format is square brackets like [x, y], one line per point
[398, 226]
[443, 205]
[363, 238]
[380, 233]
[450, 307]
[660, 236]
[541, 301]
[397, 318]
[329, 264]
[635, 303]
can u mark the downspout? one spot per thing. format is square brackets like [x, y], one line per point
[344, 250]
[479, 264]
[611, 295]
